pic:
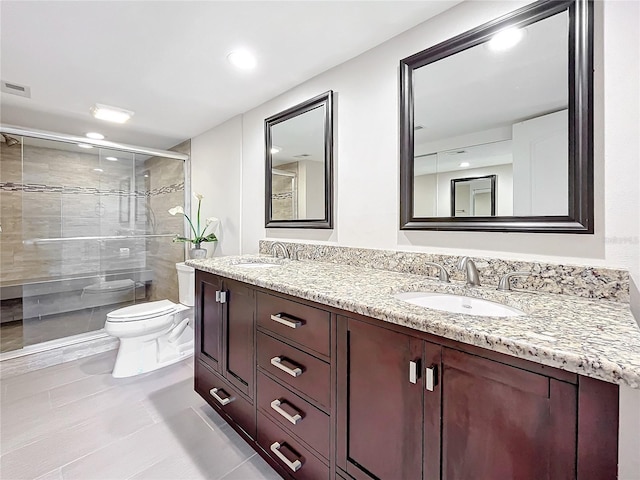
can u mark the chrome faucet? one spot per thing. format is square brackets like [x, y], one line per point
[466, 264]
[505, 282]
[443, 276]
[279, 245]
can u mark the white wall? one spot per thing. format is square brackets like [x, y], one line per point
[216, 165]
[366, 139]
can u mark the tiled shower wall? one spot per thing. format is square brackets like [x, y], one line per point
[163, 254]
[61, 194]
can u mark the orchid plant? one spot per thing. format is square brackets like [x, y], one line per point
[199, 235]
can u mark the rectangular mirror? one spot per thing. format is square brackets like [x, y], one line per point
[299, 160]
[509, 101]
[473, 197]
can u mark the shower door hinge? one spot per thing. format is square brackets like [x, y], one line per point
[221, 296]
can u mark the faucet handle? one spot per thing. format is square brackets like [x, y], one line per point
[294, 252]
[505, 282]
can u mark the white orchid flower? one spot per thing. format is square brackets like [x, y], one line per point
[176, 210]
[198, 196]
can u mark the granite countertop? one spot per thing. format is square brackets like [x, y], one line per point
[596, 338]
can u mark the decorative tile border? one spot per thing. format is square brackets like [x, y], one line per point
[581, 281]
[69, 190]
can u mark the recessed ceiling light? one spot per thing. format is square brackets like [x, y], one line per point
[99, 170]
[242, 59]
[275, 150]
[505, 39]
[94, 135]
[85, 145]
[111, 159]
[146, 175]
[464, 164]
[110, 114]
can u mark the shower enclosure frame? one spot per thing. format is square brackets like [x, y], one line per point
[122, 147]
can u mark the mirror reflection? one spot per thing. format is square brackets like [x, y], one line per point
[496, 109]
[299, 165]
[513, 99]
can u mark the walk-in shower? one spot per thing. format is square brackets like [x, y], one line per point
[85, 230]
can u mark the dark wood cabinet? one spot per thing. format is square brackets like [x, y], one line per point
[225, 348]
[412, 408]
[499, 421]
[382, 408]
[208, 320]
[321, 393]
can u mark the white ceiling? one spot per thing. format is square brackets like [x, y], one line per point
[166, 60]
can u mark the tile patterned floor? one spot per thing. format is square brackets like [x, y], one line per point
[75, 421]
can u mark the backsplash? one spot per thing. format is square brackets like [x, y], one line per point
[580, 281]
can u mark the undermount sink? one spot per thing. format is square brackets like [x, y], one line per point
[459, 304]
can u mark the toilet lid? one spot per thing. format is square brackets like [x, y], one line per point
[142, 311]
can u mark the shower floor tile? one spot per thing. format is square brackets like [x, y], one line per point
[75, 421]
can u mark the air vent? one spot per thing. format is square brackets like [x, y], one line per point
[15, 89]
[418, 127]
[302, 155]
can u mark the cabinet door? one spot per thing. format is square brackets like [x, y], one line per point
[239, 366]
[499, 421]
[208, 318]
[380, 408]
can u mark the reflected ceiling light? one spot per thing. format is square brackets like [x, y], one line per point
[242, 59]
[464, 164]
[111, 159]
[99, 170]
[275, 150]
[94, 135]
[505, 39]
[85, 145]
[146, 175]
[110, 114]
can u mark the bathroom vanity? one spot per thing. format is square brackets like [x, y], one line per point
[327, 375]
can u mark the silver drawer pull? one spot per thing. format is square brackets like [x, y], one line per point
[286, 320]
[431, 378]
[294, 372]
[295, 466]
[221, 401]
[293, 419]
[413, 371]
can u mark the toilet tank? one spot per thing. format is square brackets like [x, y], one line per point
[186, 284]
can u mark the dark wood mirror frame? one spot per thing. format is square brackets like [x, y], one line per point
[326, 100]
[580, 154]
[454, 181]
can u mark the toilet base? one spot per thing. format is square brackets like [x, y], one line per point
[144, 354]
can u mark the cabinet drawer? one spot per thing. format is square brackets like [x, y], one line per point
[305, 325]
[308, 375]
[311, 424]
[225, 399]
[290, 452]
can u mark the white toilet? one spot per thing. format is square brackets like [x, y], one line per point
[154, 334]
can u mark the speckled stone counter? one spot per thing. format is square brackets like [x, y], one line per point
[596, 338]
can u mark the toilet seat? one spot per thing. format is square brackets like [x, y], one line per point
[143, 311]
